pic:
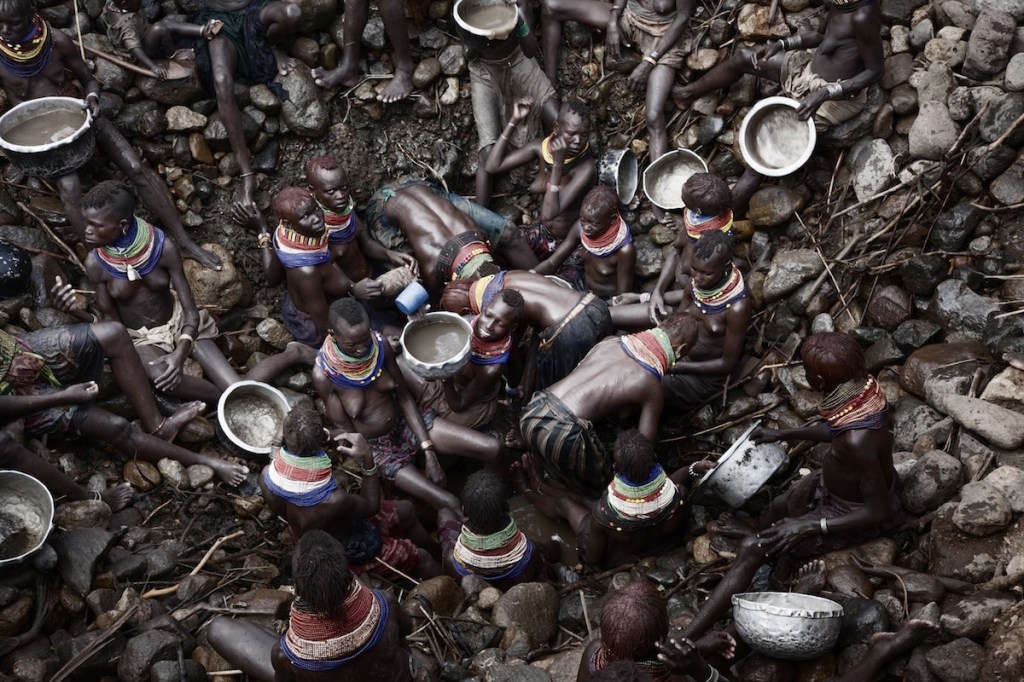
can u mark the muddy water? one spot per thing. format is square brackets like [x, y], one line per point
[254, 419]
[781, 137]
[436, 342]
[45, 128]
[490, 18]
[542, 530]
[14, 536]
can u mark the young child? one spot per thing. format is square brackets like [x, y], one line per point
[609, 257]
[130, 31]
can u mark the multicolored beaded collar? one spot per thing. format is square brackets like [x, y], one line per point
[30, 55]
[348, 372]
[611, 240]
[651, 349]
[133, 255]
[713, 301]
[855, 404]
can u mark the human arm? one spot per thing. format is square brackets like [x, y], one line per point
[638, 77]
[656, 306]
[142, 58]
[559, 197]
[551, 264]
[866, 33]
[376, 251]
[593, 542]
[527, 39]
[737, 319]
[817, 433]
[414, 419]
[500, 160]
[481, 385]
[650, 412]
[307, 293]
[63, 298]
[613, 38]
[353, 445]
[625, 269]
[15, 406]
[73, 62]
[248, 216]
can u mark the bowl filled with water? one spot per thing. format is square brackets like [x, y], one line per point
[48, 136]
[249, 417]
[436, 345]
[26, 516]
[492, 19]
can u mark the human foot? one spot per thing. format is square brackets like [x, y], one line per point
[170, 426]
[229, 472]
[719, 643]
[342, 75]
[1015, 359]
[887, 645]
[299, 353]
[514, 439]
[730, 526]
[810, 578]
[202, 256]
[399, 88]
[117, 497]
[285, 63]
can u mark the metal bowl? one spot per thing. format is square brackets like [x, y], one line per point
[436, 346]
[618, 168]
[743, 469]
[664, 179]
[52, 159]
[26, 516]
[492, 19]
[773, 141]
[787, 625]
[249, 417]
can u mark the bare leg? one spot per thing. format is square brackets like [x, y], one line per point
[885, 646]
[551, 501]
[411, 526]
[216, 367]
[659, 85]
[103, 426]
[411, 481]
[727, 73]
[189, 388]
[744, 189]
[223, 60]
[281, 19]
[356, 14]
[130, 376]
[244, 645]
[452, 439]
[294, 354]
[554, 12]
[152, 191]
[484, 181]
[750, 557]
[400, 86]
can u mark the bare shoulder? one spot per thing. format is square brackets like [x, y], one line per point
[864, 447]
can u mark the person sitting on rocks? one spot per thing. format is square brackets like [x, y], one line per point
[501, 70]
[338, 627]
[244, 51]
[828, 71]
[35, 367]
[450, 236]
[357, 13]
[298, 252]
[299, 485]
[655, 28]
[363, 391]
[33, 61]
[566, 172]
[487, 544]
[349, 240]
[567, 322]
[140, 281]
[609, 257]
[470, 398]
[130, 32]
[638, 514]
[717, 299]
[851, 499]
[634, 622]
[618, 374]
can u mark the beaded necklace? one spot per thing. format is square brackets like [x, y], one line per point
[731, 290]
[302, 481]
[469, 259]
[322, 641]
[850, 5]
[611, 240]
[655, 669]
[626, 505]
[296, 251]
[134, 254]
[497, 556]
[341, 227]
[348, 372]
[30, 55]
[484, 352]
[651, 349]
[697, 223]
[855, 404]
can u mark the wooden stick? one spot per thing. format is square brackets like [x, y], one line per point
[1009, 131]
[78, 29]
[114, 60]
[163, 592]
[94, 646]
[53, 236]
[389, 566]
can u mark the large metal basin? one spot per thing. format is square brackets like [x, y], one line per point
[787, 625]
[436, 345]
[51, 159]
[664, 179]
[773, 141]
[26, 516]
[743, 469]
[249, 416]
[492, 19]
[618, 168]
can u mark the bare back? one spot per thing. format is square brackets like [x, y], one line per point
[606, 381]
[547, 302]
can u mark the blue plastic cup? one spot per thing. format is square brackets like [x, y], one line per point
[412, 298]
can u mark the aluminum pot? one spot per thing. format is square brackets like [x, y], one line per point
[618, 168]
[787, 625]
[664, 179]
[743, 469]
[451, 343]
[773, 141]
[249, 417]
[54, 158]
[497, 26]
[26, 516]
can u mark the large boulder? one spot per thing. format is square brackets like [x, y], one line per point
[530, 609]
[982, 510]
[304, 110]
[999, 426]
[934, 479]
[989, 46]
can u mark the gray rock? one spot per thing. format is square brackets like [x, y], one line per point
[989, 45]
[141, 119]
[911, 418]
[958, 14]
[933, 85]
[904, 99]
[77, 552]
[173, 472]
[82, 514]
[998, 118]
[182, 119]
[874, 168]
[961, 104]
[112, 77]
[933, 133]
[899, 11]
[1008, 188]
[958, 661]
[374, 35]
[453, 60]
[934, 479]
[427, 71]
[790, 269]
[442, 594]
[305, 112]
[898, 69]
[1013, 80]
[946, 51]
[515, 673]
[264, 99]
[169, 671]
[882, 353]
[921, 33]
[774, 205]
[946, 381]
[975, 614]
[913, 334]
[433, 39]
[1012, 7]
[954, 227]
[983, 509]
[649, 258]
[999, 426]
[531, 608]
[174, 92]
[959, 309]
[474, 636]
[217, 135]
[890, 306]
[143, 652]
[921, 274]
[1006, 390]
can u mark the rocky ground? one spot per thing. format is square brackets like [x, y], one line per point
[904, 229]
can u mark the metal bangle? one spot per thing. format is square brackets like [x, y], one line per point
[835, 90]
[427, 445]
[372, 471]
[824, 526]
[714, 675]
[553, 188]
[651, 60]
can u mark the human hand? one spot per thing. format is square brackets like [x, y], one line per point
[761, 435]
[784, 535]
[403, 259]
[77, 394]
[810, 102]
[160, 72]
[613, 39]
[638, 77]
[354, 445]
[63, 297]
[171, 375]
[246, 214]
[657, 308]
[521, 109]
[557, 147]
[433, 468]
[764, 53]
[92, 104]
[211, 28]
[367, 288]
[679, 654]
